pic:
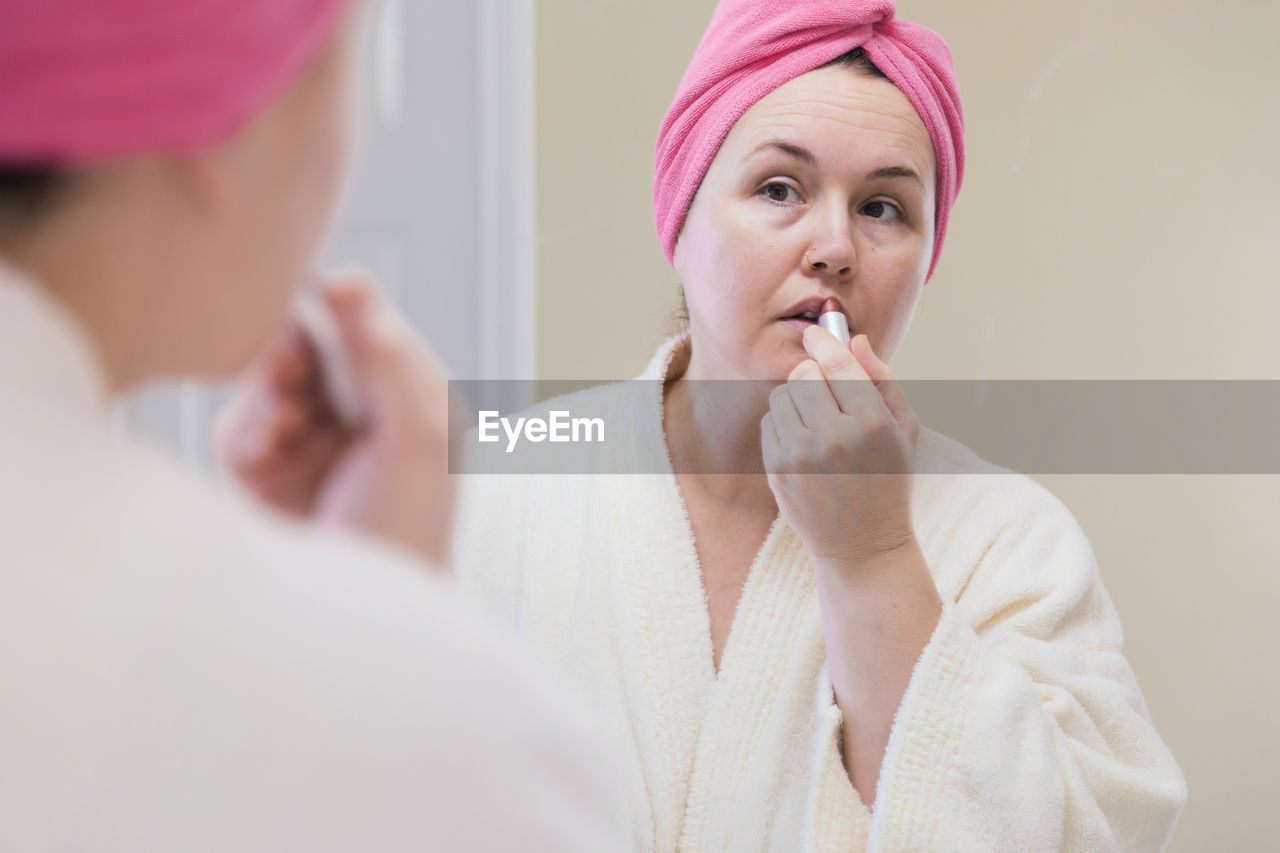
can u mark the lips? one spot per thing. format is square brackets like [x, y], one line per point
[808, 310]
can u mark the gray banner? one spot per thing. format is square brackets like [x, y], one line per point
[1035, 427]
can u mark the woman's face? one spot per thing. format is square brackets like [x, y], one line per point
[834, 169]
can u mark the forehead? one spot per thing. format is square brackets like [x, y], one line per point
[838, 113]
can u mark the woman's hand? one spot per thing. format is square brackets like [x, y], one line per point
[840, 456]
[389, 476]
[839, 453]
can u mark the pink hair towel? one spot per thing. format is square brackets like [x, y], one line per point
[754, 46]
[87, 79]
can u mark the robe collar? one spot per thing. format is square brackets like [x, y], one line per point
[714, 729]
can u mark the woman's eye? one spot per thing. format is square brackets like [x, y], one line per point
[780, 192]
[882, 210]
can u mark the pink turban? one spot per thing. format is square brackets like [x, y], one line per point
[754, 46]
[86, 79]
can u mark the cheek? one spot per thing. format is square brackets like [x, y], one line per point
[894, 308]
[322, 168]
[341, 124]
[698, 264]
[894, 282]
[319, 141]
[724, 264]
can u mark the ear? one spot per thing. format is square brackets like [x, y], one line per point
[202, 177]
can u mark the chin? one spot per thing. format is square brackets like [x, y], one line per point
[775, 366]
[237, 348]
[782, 359]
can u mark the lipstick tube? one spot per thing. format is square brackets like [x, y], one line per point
[833, 320]
[340, 384]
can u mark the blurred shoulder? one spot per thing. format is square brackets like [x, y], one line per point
[255, 656]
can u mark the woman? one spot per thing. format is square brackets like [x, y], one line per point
[181, 670]
[878, 656]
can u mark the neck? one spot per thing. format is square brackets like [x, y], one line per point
[712, 428]
[101, 306]
[106, 262]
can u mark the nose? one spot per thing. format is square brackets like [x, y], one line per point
[832, 252]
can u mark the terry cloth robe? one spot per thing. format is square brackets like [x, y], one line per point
[1022, 729]
[181, 672]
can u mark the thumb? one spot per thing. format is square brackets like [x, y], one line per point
[402, 380]
[372, 335]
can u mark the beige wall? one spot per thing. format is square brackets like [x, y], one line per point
[1118, 220]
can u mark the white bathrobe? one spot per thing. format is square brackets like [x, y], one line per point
[1022, 729]
[180, 672]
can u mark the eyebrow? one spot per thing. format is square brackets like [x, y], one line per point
[807, 156]
[786, 148]
[895, 172]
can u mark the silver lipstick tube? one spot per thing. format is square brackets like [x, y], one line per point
[835, 323]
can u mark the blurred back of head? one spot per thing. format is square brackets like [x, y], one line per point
[180, 158]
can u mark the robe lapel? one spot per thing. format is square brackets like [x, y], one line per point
[662, 613]
[738, 748]
[753, 742]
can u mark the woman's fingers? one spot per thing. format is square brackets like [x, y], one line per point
[859, 381]
[786, 419]
[402, 489]
[849, 384]
[283, 438]
[770, 442]
[290, 480]
[239, 439]
[289, 365]
[290, 422]
[261, 431]
[769, 438]
[811, 394]
[388, 356]
[280, 409]
[888, 386]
